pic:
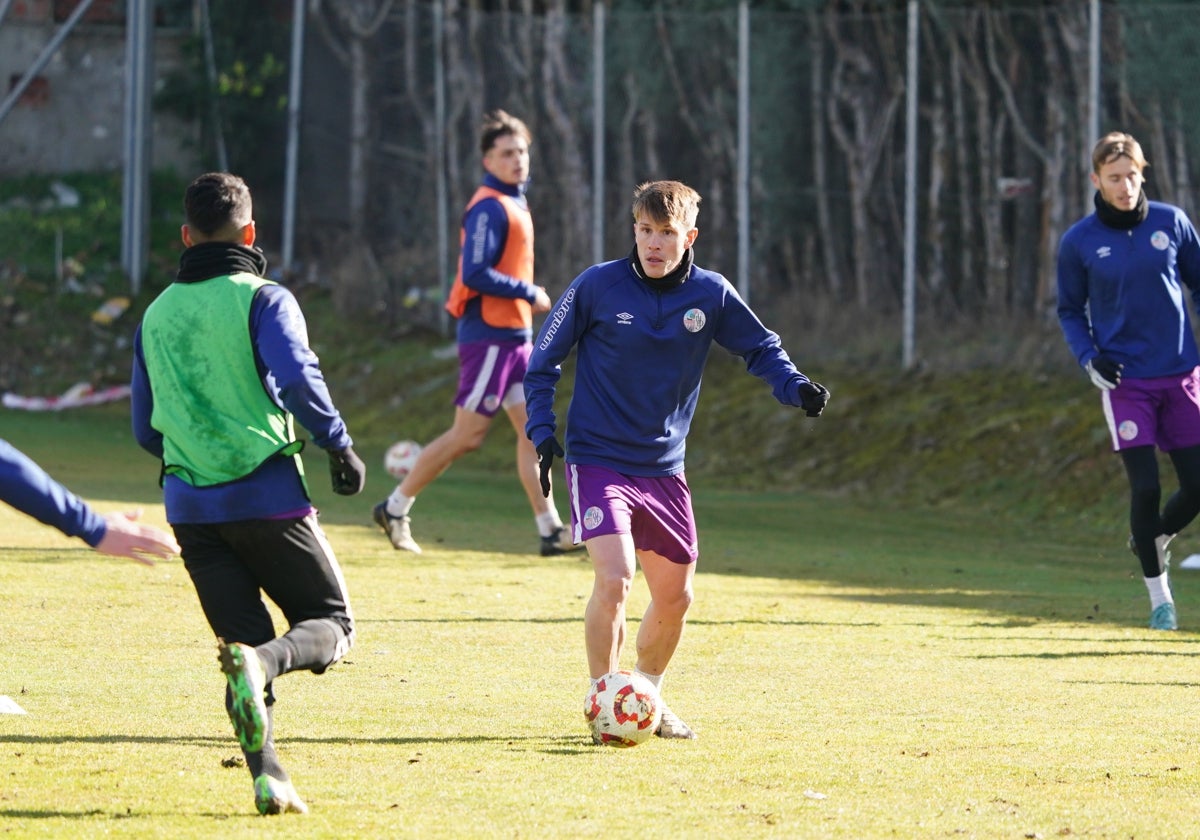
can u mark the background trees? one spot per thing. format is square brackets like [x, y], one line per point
[1003, 122]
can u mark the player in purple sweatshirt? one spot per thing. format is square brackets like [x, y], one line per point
[1124, 275]
[642, 327]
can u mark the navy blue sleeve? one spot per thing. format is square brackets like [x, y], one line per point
[741, 332]
[290, 369]
[29, 489]
[142, 401]
[1072, 284]
[486, 228]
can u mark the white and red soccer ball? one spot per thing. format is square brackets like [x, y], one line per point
[400, 458]
[623, 709]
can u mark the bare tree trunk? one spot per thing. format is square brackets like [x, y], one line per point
[817, 95]
[980, 140]
[710, 125]
[965, 221]
[566, 144]
[360, 128]
[357, 21]
[861, 108]
[935, 224]
[1182, 194]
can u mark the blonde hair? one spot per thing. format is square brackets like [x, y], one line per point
[667, 201]
[1117, 144]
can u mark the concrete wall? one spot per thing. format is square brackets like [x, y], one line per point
[72, 117]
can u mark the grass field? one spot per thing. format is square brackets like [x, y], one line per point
[852, 673]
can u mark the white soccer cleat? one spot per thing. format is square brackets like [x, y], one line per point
[397, 528]
[670, 726]
[274, 796]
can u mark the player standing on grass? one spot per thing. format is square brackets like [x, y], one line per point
[28, 488]
[221, 369]
[643, 326]
[1122, 276]
[494, 299]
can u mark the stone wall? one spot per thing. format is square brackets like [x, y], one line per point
[71, 118]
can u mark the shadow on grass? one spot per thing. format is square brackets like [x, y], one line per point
[551, 741]
[878, 553]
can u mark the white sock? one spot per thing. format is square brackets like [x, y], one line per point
[656, 679]
[548, 522]
[398, 504]
[1160, 591]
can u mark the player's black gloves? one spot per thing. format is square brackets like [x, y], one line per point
[348, 472]
[547, 451]
[813, 396]
[1104, 372]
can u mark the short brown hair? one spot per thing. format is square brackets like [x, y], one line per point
[497, 124]
[217, 205]
[1117, 144]
[667, 201]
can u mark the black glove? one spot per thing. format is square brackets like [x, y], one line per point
[1104, 372]
[547, 451]
[347, 471]
[813, 396]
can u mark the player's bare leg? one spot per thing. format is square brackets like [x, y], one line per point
[613, 565]
[465, 435]
[658, 636]
[662, 625]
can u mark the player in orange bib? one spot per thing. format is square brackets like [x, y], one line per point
[494, 299]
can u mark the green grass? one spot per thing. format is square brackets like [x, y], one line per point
[853, 672]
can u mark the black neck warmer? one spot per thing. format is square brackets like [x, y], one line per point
[668, 281]
[1121, 219]
[216, 259]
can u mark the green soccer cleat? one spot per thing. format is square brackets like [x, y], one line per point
[1163, 617]
[272, 796]
[248, 683]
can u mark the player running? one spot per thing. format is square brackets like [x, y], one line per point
[494, 299]
[222, 368]
[1122, 273]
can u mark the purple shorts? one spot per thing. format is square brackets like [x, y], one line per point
[491, 375]
[1163, 412]
[656, 512]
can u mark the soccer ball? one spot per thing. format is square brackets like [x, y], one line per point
[400, 458]
[622, 709]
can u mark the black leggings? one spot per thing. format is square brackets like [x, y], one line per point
[1145, 493]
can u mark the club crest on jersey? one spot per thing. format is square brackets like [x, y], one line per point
[1160, 240]
[693, 320]
[1128, 430]
[491, 402]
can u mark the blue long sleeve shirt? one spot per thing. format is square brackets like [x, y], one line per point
[291, 374]
[1122, 292]
[640, 356]
[485, 227]
[30, 489]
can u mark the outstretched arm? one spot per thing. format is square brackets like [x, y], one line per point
[31, 490]
[124, 537]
